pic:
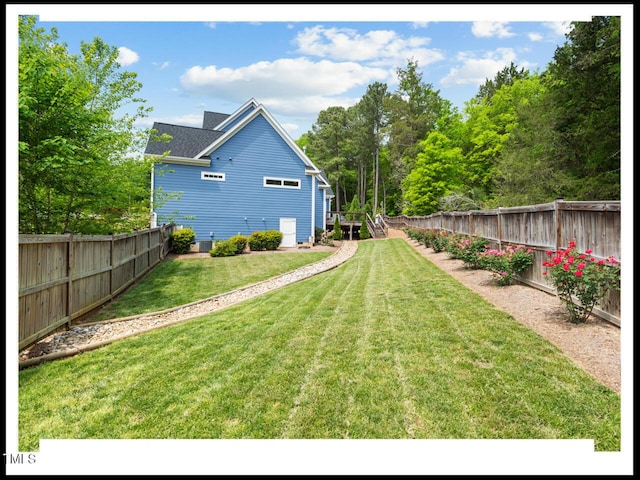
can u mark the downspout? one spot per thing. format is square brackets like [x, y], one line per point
[312, 239]
[153, 220]
[324, 210]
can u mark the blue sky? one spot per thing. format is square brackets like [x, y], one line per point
[302, 59]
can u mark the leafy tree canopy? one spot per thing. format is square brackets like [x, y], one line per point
[76, 170]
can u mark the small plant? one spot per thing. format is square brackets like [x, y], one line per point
[364, 231]
[325, 239]
[337, 230]
[440, 241]
[223, 248]
[181, 240]
[240, 243]
[504, 264]
[580, 280]
[428, 236]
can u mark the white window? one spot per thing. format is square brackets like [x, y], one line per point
[281, 182]
[214, 176]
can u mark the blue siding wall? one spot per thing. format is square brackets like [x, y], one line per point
[319, 210]
[240, 204]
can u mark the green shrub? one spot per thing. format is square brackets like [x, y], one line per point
[273, 239]
[223, 248]
[428, 237]
[265, 240]
[181, 240]
[413, 233]
[337, 230]
[240, 243]
[440, 241]
[364, 231]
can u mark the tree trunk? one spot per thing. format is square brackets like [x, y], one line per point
[375, 186]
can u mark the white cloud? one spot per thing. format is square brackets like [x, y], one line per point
[309, 105]
[534, 37]
[417, 25]
[290, 127]
[211, 24]
[559, 29]
[475, 71]
[377, 47]
[286, 85]
[127, 56]
[491, 29]
[188, 120]
[162, 65]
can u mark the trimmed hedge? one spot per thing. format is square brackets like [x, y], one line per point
[181, 240]
[240, 243]
[265, 240]
[223, 248]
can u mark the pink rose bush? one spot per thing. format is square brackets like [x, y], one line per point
[581, 280]
[506, 263]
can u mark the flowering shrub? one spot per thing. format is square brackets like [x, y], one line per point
[466, 248]
[580, 280]
[440, 241]
[504, 264]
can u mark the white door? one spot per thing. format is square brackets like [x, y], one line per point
[288, 229]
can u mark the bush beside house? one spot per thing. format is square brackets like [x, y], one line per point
[181, 240]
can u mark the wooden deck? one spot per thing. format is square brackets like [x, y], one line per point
[349, 227]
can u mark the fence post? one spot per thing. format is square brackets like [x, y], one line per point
[135, 253]
[558, 223]
[69, 279]
[112, 268]
[499, 229]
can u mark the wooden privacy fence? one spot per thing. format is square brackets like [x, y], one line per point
[62, 277]
[542, 228]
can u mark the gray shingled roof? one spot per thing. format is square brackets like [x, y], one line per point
[186, 142]
[213, 119]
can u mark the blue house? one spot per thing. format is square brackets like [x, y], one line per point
[239, 173]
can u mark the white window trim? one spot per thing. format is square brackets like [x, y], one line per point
[282, 182]
[213, 176]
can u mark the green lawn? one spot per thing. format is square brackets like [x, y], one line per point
[180, 281]
[384, 346]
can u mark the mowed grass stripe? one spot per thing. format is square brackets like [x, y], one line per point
[384, 346]
[179, 281]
